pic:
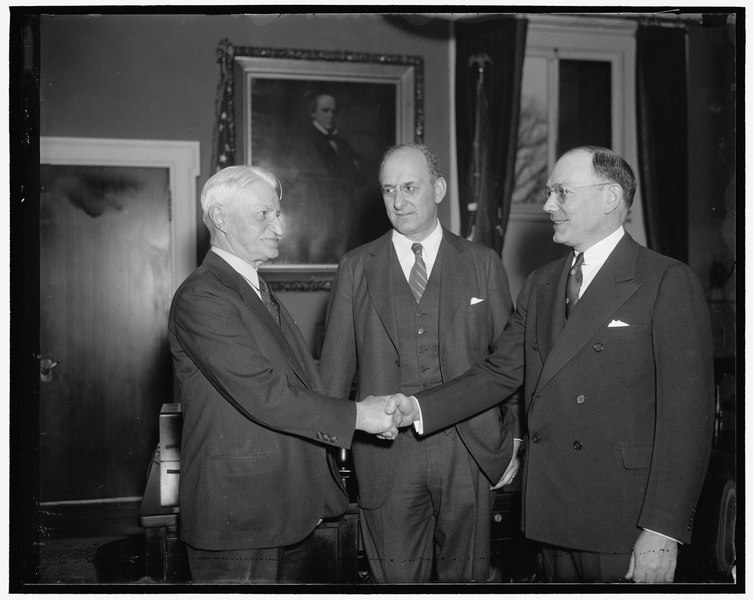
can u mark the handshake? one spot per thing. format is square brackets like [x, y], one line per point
[383, 415]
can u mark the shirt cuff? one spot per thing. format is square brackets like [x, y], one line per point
[418, 424]
[661, 534]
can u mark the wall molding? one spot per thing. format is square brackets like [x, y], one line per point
[181, 158]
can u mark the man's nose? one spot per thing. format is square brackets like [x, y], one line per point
[551, 205]
[399, 202]
[277, 225]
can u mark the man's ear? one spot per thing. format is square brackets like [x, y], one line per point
[440, 189]
[614, 195]
[216, 214]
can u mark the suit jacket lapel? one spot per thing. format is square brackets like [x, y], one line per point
[457, 280]
[378, 273]
[611, 287]
[235, 281]
[551, 308]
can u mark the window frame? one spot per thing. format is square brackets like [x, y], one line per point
[577, 37]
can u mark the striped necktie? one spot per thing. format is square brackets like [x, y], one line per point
[574, 281]
[417, 280]
[269, 300]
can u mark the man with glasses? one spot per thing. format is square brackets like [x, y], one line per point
[408, 311]
[614, 344]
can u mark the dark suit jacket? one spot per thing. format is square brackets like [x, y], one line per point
[254, 466]
[362, 333]
[345, 163]
[619, 418]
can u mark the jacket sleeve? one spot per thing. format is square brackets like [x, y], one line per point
[683, 371]
[338, 360]
[497, 376]
[235, 357]
[502, 309]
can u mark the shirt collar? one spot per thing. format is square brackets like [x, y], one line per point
[239, 265]
[430, 244]
[324, 131]
[601, 250]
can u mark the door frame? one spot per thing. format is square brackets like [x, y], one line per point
[181, 158]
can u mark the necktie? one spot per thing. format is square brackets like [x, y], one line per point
[574, 281]
[269, 300]
[417, 280]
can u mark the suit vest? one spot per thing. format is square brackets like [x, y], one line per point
[418, 331]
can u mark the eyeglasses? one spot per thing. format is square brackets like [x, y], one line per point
[560, 192]
[406, 189]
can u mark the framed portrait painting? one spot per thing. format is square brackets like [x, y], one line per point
[321, 122]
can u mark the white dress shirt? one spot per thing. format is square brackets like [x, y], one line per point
[596, 256]
[245, 270]
[406, 255]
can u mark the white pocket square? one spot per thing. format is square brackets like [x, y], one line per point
[475, 300]
[618, 323]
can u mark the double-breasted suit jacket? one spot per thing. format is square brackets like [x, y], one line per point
[255, 471]
[618, 400]
[362, 332]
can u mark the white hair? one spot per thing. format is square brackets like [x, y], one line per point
[231, 179]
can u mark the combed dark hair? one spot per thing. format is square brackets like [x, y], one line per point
[612, 167]
[435, 168]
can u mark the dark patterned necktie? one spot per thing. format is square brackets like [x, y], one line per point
[417, 280]
[269, 300]
[574, 281]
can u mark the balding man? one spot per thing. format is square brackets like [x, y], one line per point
[614, 343]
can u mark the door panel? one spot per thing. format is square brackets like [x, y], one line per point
[105, 293]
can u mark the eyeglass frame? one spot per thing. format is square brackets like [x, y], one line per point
[390, 191]
[560, 195]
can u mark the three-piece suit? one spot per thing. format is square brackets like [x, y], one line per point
[376, 328]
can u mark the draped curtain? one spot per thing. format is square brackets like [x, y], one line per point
[662, 112]
[489, 72]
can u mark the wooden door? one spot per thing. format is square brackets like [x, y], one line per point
[105, 287]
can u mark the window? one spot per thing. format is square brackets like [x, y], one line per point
[578, 88]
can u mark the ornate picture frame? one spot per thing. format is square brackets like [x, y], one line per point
[320, 120]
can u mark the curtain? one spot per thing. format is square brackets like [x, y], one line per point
[661, 88]
[489, 72]
[223, 142]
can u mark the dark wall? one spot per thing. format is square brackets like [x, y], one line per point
[712, 178]
[155, 76]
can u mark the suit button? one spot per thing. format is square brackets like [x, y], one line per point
[598, 347]
[420, 331]
[536, 438]
[580, 399]
[577, 445]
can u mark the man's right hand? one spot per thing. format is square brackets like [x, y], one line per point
[372, 417]
[403, 409]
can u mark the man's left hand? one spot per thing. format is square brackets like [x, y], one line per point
[653, 560]
[512, 469]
